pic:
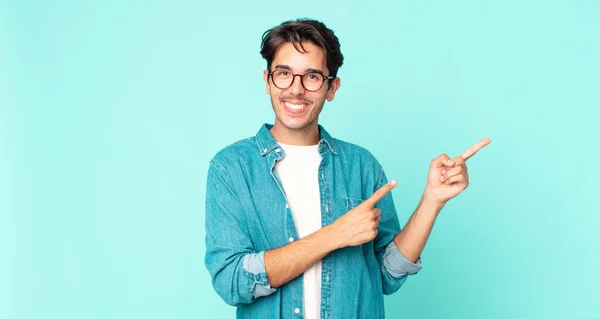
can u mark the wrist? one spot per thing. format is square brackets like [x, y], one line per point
[430, 203]
[329, 238]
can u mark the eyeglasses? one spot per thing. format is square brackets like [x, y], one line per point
[311, 81]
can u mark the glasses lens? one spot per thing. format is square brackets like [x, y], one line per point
[282, 78]
[312, 81]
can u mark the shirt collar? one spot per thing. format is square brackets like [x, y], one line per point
[266, 142]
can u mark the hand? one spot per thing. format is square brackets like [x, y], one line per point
[448, 177]
[359, 225]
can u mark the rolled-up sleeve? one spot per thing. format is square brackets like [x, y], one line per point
[255, 264]
[237, 270]
[397, 265]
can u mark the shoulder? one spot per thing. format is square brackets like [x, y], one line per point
[232, 153]
[357, 152]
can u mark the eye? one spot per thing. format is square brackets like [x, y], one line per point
[312, 76]
[284, 73]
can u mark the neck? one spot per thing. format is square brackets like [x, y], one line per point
[301, 137]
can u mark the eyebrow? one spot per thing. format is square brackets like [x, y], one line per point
[287, 67]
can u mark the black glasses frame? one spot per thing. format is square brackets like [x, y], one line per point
[325, 78]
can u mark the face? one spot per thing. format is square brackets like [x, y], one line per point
[297, 109]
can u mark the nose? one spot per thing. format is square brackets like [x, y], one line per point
[296, 88]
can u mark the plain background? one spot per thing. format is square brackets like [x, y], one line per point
[111, 110]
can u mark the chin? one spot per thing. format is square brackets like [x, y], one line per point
[296, 125]
[293, 125]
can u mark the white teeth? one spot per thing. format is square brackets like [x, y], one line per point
[294, 106]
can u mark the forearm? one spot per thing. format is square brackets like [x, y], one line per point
[288, 262]
[411, 240]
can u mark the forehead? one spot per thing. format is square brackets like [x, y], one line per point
[313, 58]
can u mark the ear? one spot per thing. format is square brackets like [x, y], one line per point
[266, 78]
[335, 85]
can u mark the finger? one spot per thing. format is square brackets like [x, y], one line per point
[459, 161]
[376, 213]
[442, 161]
[475, 148]
[380, 193]
[452, 172]
[456, 179]
[377, 221]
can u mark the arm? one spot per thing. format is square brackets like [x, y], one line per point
[356, 227]
[411, 240]
[235, 265]
[446, 179]
[288, 262]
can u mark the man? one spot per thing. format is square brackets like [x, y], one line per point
[300, 224]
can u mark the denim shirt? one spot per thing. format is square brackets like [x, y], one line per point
[247, 214]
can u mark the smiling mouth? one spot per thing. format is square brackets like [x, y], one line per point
[295, 106]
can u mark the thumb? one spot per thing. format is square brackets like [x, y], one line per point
[442, 161]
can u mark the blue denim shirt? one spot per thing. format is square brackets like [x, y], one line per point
[247, 214]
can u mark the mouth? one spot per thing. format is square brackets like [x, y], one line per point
[295, 106]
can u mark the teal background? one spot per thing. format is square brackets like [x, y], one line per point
[111, 110]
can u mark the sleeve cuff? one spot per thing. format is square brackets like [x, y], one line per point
[397, 265]
[255, 265]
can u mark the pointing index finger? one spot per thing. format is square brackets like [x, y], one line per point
[475, 148]
[380, 193]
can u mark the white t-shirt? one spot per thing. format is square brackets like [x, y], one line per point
[299, 175]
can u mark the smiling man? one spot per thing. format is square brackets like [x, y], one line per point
[300, 224]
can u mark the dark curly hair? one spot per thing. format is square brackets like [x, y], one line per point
[298, 31]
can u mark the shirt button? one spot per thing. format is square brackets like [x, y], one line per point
[297, 310]
[277, 150]
[287, 206]
[291, 239]
[327, 278]
[326, 207]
